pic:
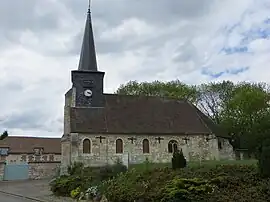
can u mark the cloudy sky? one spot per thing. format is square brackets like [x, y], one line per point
[194, 41]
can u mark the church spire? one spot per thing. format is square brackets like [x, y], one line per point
[88, 61]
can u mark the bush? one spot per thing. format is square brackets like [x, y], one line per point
[76, 169]
[75, 193]
[63, 185]
[226, 183]
[189, 189]
[82, 178]
[178, 160]
[264, 161]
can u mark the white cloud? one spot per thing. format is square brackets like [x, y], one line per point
[136, 40]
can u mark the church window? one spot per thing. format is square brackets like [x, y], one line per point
[145, 146]
[172, 146]
[86, 146]
[119, 146]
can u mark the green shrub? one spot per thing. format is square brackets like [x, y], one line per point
[63, 185]
[75, 193]
[187, 189]
[178, 160]
[84, 177]
[264, 161]
[76, 168]
[224, 183]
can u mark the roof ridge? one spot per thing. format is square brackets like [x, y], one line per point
[147, 96]
[34, 137]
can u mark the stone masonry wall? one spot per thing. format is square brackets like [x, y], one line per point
[196, 148]
[2, 167]
[226, 152]
[43, 170]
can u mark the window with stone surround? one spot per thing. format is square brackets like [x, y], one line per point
[119, 146]
[86, 146]
[172, 146]
[146, 146]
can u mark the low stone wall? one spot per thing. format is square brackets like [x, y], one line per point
[43, 170]
[2, 167]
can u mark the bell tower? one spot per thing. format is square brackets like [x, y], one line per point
[87, 80]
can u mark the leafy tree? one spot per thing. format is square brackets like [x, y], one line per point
[264, 159]
[173, 89]
[4, 135]
[247, 115]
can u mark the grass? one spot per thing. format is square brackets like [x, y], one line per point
[192, 164]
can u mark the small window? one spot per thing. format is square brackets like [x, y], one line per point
[119, 146]
[86, 146]
[3, 151]
[145, 146]
[172, 146]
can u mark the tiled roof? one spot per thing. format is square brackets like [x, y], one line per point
[19, 144]
[142, 115]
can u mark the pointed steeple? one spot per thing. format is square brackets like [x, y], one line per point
[88, 61]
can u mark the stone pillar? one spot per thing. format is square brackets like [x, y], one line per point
[74, 139]
[65, 154]
[125, 159]
[213, 146]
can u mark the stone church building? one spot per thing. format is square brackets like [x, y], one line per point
[102, 128]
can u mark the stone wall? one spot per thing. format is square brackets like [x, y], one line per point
[196, 148]
[2, 167]
[43, 170]
[226, 151]
[19, 158]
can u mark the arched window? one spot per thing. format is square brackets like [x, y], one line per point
[145, 146]
[86, 146]
[172, 146]
[119, 146]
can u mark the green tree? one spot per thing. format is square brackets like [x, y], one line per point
[264, 159]
[178, 160]
[173, 89]
[247, 115]
[4, 135]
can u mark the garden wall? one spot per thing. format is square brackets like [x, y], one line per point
[2, 167]
[43, 170]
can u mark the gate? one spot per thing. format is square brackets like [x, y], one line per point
[16, 172]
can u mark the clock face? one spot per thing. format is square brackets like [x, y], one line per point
[88, 93]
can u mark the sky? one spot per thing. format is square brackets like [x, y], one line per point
[144, 40]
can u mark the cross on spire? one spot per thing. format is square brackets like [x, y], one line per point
[89, 6]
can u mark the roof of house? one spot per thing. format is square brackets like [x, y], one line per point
[19, 144]
[142, 115]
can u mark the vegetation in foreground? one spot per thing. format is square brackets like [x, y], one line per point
[212, 181]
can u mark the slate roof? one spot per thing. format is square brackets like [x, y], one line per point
[18, 145]
[125, 114]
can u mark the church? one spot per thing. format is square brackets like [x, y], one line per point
[102, 128]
